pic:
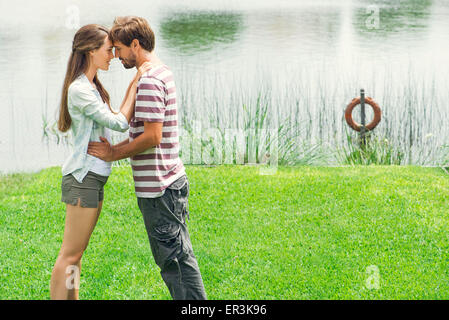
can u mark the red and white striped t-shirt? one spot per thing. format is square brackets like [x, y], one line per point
[157, 167]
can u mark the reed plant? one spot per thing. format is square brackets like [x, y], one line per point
[374, 150]
[307, 112]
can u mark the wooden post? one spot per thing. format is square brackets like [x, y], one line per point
[362, 114]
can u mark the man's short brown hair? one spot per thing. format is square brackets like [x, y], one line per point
[126, 29]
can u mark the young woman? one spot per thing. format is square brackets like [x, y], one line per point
[85, 109]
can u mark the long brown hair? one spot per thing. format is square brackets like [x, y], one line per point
[88, 38]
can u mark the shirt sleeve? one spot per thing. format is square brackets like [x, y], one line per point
[87, 102]
[150, 100]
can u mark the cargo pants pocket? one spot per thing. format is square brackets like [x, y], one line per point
[179, 198]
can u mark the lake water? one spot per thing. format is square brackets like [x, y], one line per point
[304, 60]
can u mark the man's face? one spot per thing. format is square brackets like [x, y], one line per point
[125, 54]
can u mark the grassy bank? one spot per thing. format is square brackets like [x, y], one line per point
[304, 233]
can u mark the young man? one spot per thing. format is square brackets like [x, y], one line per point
[161, 184]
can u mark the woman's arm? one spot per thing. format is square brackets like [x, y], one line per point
[82, 97]
[127, 106]
[85, 100]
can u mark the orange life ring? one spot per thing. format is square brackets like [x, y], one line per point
[354, 125]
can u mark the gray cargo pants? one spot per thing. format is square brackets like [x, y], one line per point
[165, 221]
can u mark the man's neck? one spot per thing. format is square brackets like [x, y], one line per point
[148, 57]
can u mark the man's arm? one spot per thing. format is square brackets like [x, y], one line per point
[150, 109]
[151, 137]
[121, 143]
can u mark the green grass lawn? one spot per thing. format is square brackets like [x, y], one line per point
[303, 233]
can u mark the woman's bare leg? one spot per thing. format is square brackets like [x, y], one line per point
[79, 224]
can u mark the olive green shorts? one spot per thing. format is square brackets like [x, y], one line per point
[89, 193]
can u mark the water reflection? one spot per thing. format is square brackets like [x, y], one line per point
[294, 32]
[309, 56]
[192, 32]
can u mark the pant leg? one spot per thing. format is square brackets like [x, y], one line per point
[183, 278]
[170, 243]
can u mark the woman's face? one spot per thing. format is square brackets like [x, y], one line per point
[101, 57]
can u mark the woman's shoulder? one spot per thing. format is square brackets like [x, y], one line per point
[80, 87]
[78, 84]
